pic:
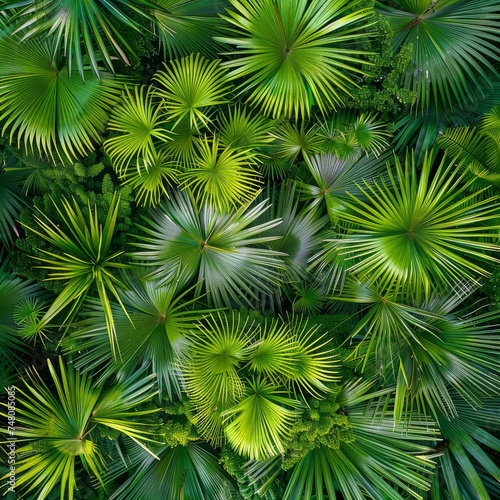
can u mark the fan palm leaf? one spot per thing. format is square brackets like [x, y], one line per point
[241, 129]
[86, 262]
[383, 462]
[214, 247]
[211, 374]
[151, 183]
[426, 350]
[90, 22]
[141, 121]
[11, 204]
[222, 175]
[293, 55]
[59, 426]
[422, 232]
[156, 333]
[478, 149]
[259, 423]
[336, 178]
[190, 87]
[188, 472]
[47, 107]
[298, 235]
[455, 42]
[189, 27]
[465, 465]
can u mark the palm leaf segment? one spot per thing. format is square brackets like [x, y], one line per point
[424, 233]
[466, 469]
[289, 52]
[190, 472]
[455, 43]
[74, 21]
[478, 149]
[241, 378]
[156, 333]
[427, 350]
[212, 246]
[86, 262]
[383, 462]
[221, 175]
[46, 107]
[186, 28]
[59, 426]
[190, 86]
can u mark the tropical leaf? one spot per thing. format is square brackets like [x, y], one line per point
[222, 176]
[420, 231]
[216, 248]
[86, 262]
[346, 134]
[157, 333]
[190, 86]
[239, 129]
[189, 472]
[59, 426]
[426, 349]
[188, 27]
[383, 462]
[466, 470]
[11, 204]
[478, 149]
[455, 42]
[48, 107]
[290, 141]
[298, 235]
[259, 423]
[211, 374]
[85, 21]
[335, 179]
[151, 183]
[140, 118]
[290, 54]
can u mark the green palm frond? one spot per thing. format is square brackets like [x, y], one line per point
[87, 21]
[47, 107]
[290, 141]
[241, 129]
[141, 121]
[190, 472]
[219, 249]
[86, 263]
[383, 462]
[478, 150]
[190, 87]
[151, 183]
[297, 236]
[211, 374]
[182, 146]
[465, 469]
[188, 27]
[13, 292]
[346, 134]
[336, 178]
[455, 43]
[11, 204]
[259, 423]
[421, 231]
[158, 334]
[59, 426]
[222, 175]
[426, 349]
[293, 55]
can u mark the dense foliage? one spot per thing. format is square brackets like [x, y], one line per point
[250, 249]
